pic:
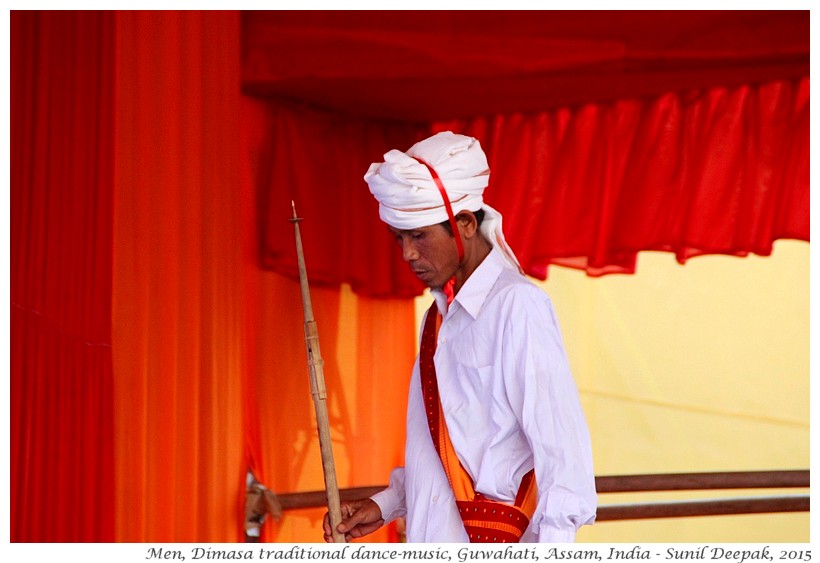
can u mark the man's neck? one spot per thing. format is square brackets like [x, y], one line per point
[473, 257]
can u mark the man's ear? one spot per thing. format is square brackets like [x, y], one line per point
[468, 224]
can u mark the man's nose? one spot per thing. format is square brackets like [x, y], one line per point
[408, 250]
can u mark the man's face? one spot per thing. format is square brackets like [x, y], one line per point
[431, 252]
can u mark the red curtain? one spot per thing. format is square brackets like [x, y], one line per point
[318, 159]
[62, 417]
[724, 170]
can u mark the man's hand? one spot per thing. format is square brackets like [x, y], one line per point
[359, 518]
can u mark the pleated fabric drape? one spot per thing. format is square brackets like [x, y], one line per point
[718, 171]
[153, 362]
[319, 159]
[176, 315]
[61, 380]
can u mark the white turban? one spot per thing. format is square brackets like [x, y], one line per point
[409, 197]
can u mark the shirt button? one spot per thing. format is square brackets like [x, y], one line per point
[435, 498]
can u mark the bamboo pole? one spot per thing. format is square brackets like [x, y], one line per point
[317, 389]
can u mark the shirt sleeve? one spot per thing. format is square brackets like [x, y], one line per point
[545, 400]
[391, 500]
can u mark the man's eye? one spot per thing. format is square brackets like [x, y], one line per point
[417, 236]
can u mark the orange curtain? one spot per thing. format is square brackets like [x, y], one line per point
[61, 438]
[368, 346]
[176, 318]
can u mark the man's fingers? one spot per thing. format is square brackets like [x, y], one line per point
[350, 517]
[326, 524]
[359, 518]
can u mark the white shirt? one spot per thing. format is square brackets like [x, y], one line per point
[510, 404]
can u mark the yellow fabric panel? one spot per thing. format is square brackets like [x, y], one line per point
[702, 367]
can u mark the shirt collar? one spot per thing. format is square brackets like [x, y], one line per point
[474, 292]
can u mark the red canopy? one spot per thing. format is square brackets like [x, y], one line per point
[608, 133]
[427, 66]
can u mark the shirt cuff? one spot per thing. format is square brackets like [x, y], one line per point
[390, 504]
[391, 500]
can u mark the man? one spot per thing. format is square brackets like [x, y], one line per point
[497, 446]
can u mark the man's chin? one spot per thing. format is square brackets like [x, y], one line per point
[435, 284]
[430, 279]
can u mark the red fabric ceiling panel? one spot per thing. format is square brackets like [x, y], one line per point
[426, 66]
